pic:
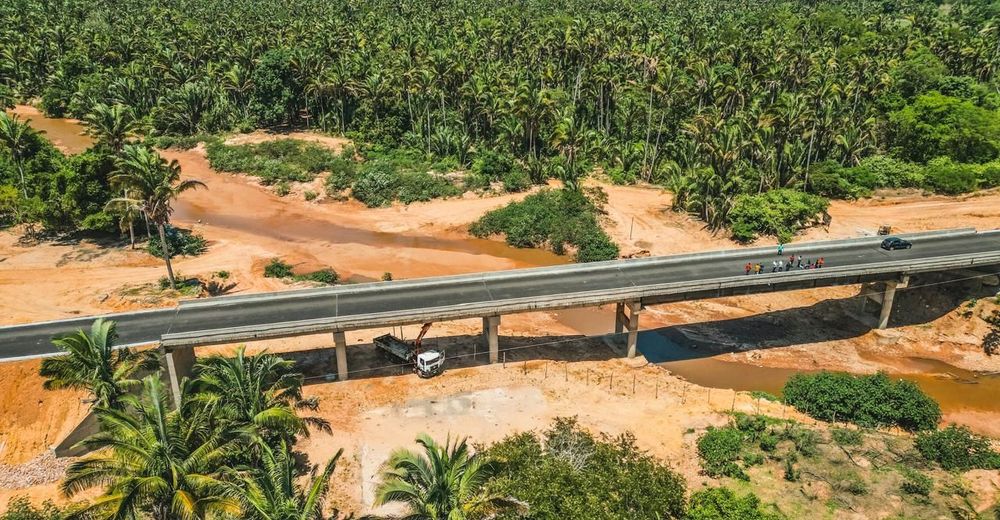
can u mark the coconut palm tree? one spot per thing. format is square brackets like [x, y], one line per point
[153, 184]
[92, 363]
[153, 461]
[271, 488]
[260, 393]
[16, 134]
[442, 483]
[111, 125]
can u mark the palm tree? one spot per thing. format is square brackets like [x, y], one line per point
[153, 461]
[270, 491]
[15, 134]
[111, 125]
[259, 392]
[442, 483]
[92, 363]
[154, 184]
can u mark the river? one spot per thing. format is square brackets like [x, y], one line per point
[958, 391]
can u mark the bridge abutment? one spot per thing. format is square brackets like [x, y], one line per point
[887, 298]
[340, 345]
[491, 336]
[180, 364]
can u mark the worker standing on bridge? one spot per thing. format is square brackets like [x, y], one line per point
[781, 265]
[749, 267]
[800, 262]
[759, 268]
[774, 266]
[781, 249]
[820, 262]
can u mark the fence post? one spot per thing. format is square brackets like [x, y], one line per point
[546, 370]
[633, 384]
[709, 397]
[566, 370]
[611, 382]
[505, 359]
[733, 407]
[656, 395]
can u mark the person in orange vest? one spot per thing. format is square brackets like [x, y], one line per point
[748, 267]
[820, 262]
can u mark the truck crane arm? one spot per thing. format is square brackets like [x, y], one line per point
[420, 337]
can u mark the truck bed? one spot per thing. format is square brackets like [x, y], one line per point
[395, 346]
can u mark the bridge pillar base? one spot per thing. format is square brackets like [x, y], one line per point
[340, 345]
[634, 308]
[180, 364]
[491, 336]
[887, 298]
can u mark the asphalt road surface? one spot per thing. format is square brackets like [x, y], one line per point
[34, 340]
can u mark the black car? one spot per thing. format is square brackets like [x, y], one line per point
[895, 243]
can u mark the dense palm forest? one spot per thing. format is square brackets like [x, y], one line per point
[717, 99]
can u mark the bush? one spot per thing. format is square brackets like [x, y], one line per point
[21, 508]
[935, 125]
[916, 483]
[719, 449]
[181, 242]
[421, 187]
[343, 172]
[272, 161]
[566, 473]
[556, 218]
[893, 173]
[956, 448]
[869, 401]
[516, 181]
[847, 437]
[276, 268]
[282, 188]
[722, 504]
[475, 181]
[376, 185]
[327, 276]
[989, 175]
[493, 165]
[777, 212]
[310, 195]
[951, 178]
[387, 276]
[831, 180]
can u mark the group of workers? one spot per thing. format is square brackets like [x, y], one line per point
[794, 262]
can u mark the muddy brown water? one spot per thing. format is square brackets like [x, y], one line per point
[956, 389]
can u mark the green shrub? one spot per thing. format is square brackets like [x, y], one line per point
[722, 504]
[956, 448]
[806, 441]
[272, 161]
[276, 268]
[935, 125]
[282, 188]
[847, 437]
[387, 276]
[556, 218]
[21, 508]
[791, 473]
[719, 450]
[777, 212]
[767, 396]
[893, 173]
[566, 473]
[377, 184]
[475, 181]
[422, 187]
[493, 165]
[951, 178]
[989, 175]
[621, 177]
[181, 242]
[870, 401]
[327, 276]
[516, 181]
[343, 172]
[310, 195]
[916, 483]
[831, 180]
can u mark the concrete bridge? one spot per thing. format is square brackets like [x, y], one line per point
[630, 284]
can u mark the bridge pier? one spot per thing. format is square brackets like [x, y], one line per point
[887, 298]
[491, 336]
[340, 345]
[180, 364]
[634, 308]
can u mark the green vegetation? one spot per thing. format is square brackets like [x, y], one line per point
[730, 450]
[280, 160]
[870, 401]
[554, 218]
[916, 483]
[21, 508]
[92, 363]
[722, 99]
[991, 340]
[956, 448]
[777, 212]
[179, 242]
[566, 472]
[723, 504]
[277, 268]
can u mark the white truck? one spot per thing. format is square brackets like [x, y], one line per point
[426, 363]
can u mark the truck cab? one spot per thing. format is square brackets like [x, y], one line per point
[429, 363]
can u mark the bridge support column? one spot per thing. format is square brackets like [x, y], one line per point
[620, 318]
[491, 336]
[887, 297]
[340, 344]
[634, 308]
[180, 364]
